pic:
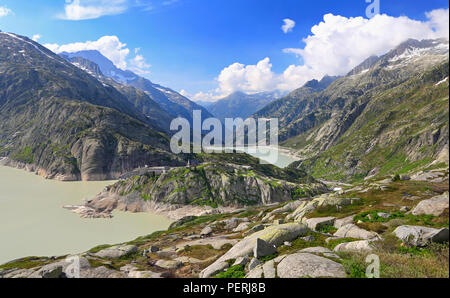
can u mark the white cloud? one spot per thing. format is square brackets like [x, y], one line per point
[139, 66]
[288, 25]
[76, 10]
[336, 45]
[112, 48]
[36, 37]
[4, 11]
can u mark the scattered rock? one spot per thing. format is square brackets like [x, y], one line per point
[321, 251]
[278, 222]
[254, 229]
[355, 246]
[116, 252]
[144, 274]
[308, 238]
[275, 235]
[383, 215]
[421, 236]
[316, 223]
[168, 264]
[343, 221]
[353, 231]
[241, 227]
[287, 243]
[213, 269]
[49, 271]
[253, 263]
[434, 206]
[241, 261]
[263, 249]
[404, 209]
[207, 231]
[269, 269]
[153, 249]
[309, 265]
[256, 272]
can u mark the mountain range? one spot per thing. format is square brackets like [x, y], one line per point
[240, 104]
[389, 115]
[63, 123]
[171, 101]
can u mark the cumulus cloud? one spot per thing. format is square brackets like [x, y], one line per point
[4, 11]
[76, 10]
[112, 48]
[288, 26]
[251, 78]
[36, 37]
[337, 45]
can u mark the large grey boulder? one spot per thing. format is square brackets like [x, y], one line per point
[325, 200]
[353, 231]
[421, 236]
[355, 246]
[275, 235]
[241, 227]
[256, 272]
[207, 231]
[214, 269]
[309, 265]
[434, 206]
[320, 251]
[343, 221]
[253, 263]
[54, 270]
[316, 223]
[116, 252]
[263, 249]
[168, 264]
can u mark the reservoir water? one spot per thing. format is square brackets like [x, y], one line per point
[33, 222]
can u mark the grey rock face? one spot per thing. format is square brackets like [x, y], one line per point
[316, 223]
[275, 235]
[115, 252]
[343, 221]
[355, 246]
[353, 231]
[421, 236]
[308, 265]
[253, 263]
[168, 264]
[263, 249]
[434, 206]
[207, 231]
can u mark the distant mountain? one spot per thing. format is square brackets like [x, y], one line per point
[389, 115]
[137, 97]
[171, 101]
[63, 123]
[241, 105]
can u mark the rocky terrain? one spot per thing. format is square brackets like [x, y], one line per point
[172, 102]
[387, 116]
[219, 184]
[240, 105]
[63, 123]
[403, 221]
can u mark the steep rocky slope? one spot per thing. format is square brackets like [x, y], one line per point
[137, 97]
[60, 121]
[389, 115]
[171, 101]
[240, 105]
[220, 181]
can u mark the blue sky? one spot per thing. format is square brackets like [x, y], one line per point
[187, 44]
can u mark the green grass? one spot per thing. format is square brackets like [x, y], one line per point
[236, 271]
